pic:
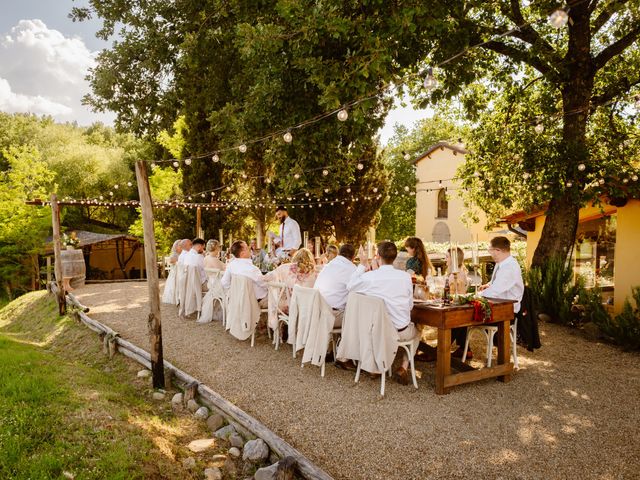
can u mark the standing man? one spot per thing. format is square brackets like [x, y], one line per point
[289, 236]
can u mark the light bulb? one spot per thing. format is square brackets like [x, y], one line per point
[407, 156]
[176, 164]
[203, 195]
[375, 189]
[215, 158]
[582, 167]
[325, 172]
[569, 184]
[296, 176]
[343, 115]
[101, 197]
[267, 180]
[326, 190]
[111, 194]
[306, 194]
[526, 175]
[406, 189]
[558, 18]
[348, 190]
[242, 148]
[244, 175]
[430, 82]
[601, 181]
[539, 128]
[539, 187]
[116, 186]
[634, 178]
[187, 161]
[360, 166]
[287, 137]
[129, 184]
[626, 180]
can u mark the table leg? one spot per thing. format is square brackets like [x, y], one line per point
[443, 362]
[504, 347]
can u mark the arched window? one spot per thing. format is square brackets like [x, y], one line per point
[443, 204]
[440, 233]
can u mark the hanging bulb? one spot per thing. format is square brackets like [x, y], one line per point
[101, 197]
[526, 175]
[375, 189]
[558, 18]
[626, 180]
[306, 194]
[582, 167]
[539, 187]
[348, 190]
[215, 158]
[296, 176]
[176, 164]
[406, 156]
[634, 178]
[129, 184]
[326, 190]
[539, 128]
[569, 184]
[187, 161]
[430, 82]
[601, 181]
[343, 115]
[116, 186]
[242, 148]
[267, 180]
[203, 195]
[406, 189]
[111, 194]
[325, 172]
[244, 175]
[287, 137]
[360, 166]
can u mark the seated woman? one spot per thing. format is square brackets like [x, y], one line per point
[170, 294]
[458, 287]
[212, 258]
[300, 271]
[330, 254]
[176, 250]
[418, 261]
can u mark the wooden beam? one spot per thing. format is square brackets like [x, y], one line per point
[55, 222]
[199, 223]
[155, 324]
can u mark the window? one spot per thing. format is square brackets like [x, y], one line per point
[443, 204]
[441, 233]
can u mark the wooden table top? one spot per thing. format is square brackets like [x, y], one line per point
[453, 316]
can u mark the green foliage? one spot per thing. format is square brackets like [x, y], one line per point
[624, 329]
[553, 289]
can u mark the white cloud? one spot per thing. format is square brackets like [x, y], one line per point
[42, 71]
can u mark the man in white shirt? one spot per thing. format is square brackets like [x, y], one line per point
[506, 281]
[195, 258]
[242, 265]
[289, 237]
[186, 247]
[395, 288]
[332, 281]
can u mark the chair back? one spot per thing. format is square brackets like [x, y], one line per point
[193, 290]
[243, 311]
[368, 335]
[278, 295]
[181, 285]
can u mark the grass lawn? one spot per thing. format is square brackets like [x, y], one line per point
[67, 411]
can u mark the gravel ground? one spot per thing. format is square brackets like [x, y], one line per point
[571, 411]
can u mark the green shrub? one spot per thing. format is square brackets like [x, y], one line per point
[553, 289]
[624, 329]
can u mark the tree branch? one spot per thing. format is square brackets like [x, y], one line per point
[616, 48]
[520, 56]
[607, 12]
[614, 91]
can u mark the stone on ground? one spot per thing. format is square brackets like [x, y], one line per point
[201, 445]
[215, 422]
[266, 473]
[236, 440]
[225, 432]
[213, 473]
[234, 452]
[192, 406]
[189, 463]
[158, 396]
[202, 413]
[255, 451]
[144, 373]
[176, 400]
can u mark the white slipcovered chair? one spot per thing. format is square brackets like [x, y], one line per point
[215, 296]
[275, 315]
[170, 293]
[181, 284]
[243, 311]
[310, 325]
[192, 300]
[490, 332]
[369, 337]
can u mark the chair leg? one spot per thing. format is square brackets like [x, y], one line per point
[466, 345]
[490, 334]
[413, 366]
[253, 338]
[357, 379]
[514, 350]
[276, 336]
[322, 369]
[382, 384]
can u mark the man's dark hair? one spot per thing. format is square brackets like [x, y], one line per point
[388, 252]
[199, 241]
[281, 208]
[501, 243]
[236, 248]
[348, 251]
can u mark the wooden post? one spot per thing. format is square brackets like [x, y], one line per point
[142, 257]
[199, 223]
[48, 270]
[55, 222]
[155, 325]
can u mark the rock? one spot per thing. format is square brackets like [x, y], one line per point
[544, 317]
[144, 373]
[158, 396]
[255, 451]
[218, 458]
[202, 413]
[176, 400]
[236, 440]
[201, 445]
[225, 432]
[192, 406]
[213, 473]
[229, 468]
[68, 475]
[592, 331]
[266, 473]
[234, 452]
[189, 463]
[215, 422]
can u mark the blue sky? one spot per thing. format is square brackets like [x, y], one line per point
[44, 57]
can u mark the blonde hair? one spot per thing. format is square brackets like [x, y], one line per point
[332, 251]
[213, 246]
[304, 261]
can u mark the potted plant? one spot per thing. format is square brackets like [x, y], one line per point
[70, 241]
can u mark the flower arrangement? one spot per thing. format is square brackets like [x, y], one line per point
[481, 307]
[70, 240]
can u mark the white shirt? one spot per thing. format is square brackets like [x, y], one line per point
[193, 258]
[245, 267]
[292, 238]
[506, 282]
[332, 281]
[391, 285]
[183, 254]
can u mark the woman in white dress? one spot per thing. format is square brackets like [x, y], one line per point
[170, 291]
[212, 258]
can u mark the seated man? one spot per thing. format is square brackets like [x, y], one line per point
[186, 247]
[506, 281]
[395, 288]
[332, 281]
[242, 265]
[195, 258]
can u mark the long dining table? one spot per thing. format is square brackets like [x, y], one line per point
[447, 317]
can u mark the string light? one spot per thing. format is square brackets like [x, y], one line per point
[287, 137]
[176, 164]
[430, 82]
[569, 184]
[343, 115]
[406, 188]
[267, 180]
[526, 175]
[558, 18]
[215, 158]
[634, 178]
[539, 128]
[360, 166]
[116, 186]
[187, 161]
[348, 190]
[325, 172]
[296, 176]
[582, 167]
[406, 155]
[242, 148]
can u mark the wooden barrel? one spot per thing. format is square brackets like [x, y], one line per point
[73, 266]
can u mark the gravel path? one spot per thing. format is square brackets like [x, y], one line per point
[572, 410]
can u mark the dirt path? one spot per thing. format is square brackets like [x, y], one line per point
[572, 409]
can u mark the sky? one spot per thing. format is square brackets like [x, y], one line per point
[45, 57]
